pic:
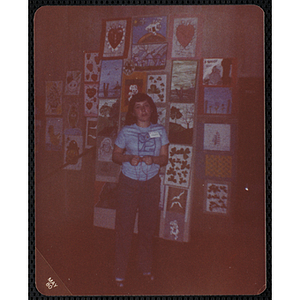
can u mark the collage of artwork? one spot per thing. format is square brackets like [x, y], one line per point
[133, 57]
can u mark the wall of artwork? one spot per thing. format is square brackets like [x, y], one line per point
[89, 61]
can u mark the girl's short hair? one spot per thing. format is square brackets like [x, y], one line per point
[140, 97]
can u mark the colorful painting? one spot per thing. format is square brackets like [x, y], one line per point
[115, 38]
[91, 99]
[73, 148]
[183, 81]
[149, 57]
[181, 123]
[105, 146]
[148, 30]
[179, 166]
[216, 197]
[108, 117]
[54, 97]
[174, 227]
[161, 112]
[216, 137]
[176, 200]
[92, 67]
[91, 132]
[217, 71]
[157, 87]
[110, 79]
[54, 134]
[73, 80]
[217, 100]
[184, 39]
[218, 165]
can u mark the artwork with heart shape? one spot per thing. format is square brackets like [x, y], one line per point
[184, 39]
[92, 67]
[91, 99]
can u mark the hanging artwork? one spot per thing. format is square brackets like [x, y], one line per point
[217, 100]
[156, 87]
[73, 80]
[176, 200]
[181, 123]
[73, 115]
[131, 85]
[149, 57]
[184, 38]
[183, 81]
[217, 71]
[91, 132]
[178, 168]
[54, 134]
[128, 67]
[216, 197]
[108, 117]
[110, 79]
[161, 112]
[162, 192]
[174, 227]
[54, 97]
[148, 30]
[105, 146]
[73, 148]
[218, 165]
[216, 137]
[107, 197]
[115, 38]
[92, 67]
[91, 99]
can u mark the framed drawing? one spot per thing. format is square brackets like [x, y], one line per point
[73, 148]
[217, 100]
[217, 137]
[91, 99]
[54, 134]
[91, 132]
[73, 81]
[53, 101]
[218, 166]
[174, 227]
[157, 87]
[92, 67]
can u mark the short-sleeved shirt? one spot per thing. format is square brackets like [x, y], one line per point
[142, 142]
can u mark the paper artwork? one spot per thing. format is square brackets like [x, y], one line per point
[174, 227]
[149, 57]
[73, 80]
[91, 132]
[216, 137]
[178, 168]
[216, 197]
[156, 87]
[162, 193]
[54, 134]
[183, 81]
[105, 146]
[110, 79]
[177, 200]
[73, 148]
[54, 97]
[148, 30]
[73, 115]
[91, 99]
[181, 123]
[184, 37]
[92, 67]
[217, 100]
[218, 166]
[161, 112]
[217, 71]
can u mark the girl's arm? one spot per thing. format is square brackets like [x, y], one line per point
[119, 157]
[161, 160]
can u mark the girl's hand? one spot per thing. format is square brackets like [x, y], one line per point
[148, 160]
[135, 160]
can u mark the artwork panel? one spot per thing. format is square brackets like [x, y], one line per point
[157, 87]
[217, 137]
[105, 146]
[91, 99]
[217, 100]
[54, 134]
[183, 81]
[148, 30]
[161, 111]
[92, 67]
[218, 166]
[71, 116]
[73, 81]
[54, 90]
[110, 79]
[178, 168]
[162, 193]
[177, 200]
[174, 227]
[91, 132]
[73, 148]
[149, 57]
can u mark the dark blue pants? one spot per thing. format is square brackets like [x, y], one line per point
[133, 195]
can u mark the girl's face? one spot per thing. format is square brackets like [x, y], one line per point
[142, 111]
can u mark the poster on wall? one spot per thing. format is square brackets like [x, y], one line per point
[157, 87]
[184, 34]
[54, 134]
[216, 137]
[218, 165]
[178, 168]
[72, 149]
[181, 123]
[174, 227]
[92, 67]
[183, 82]
[91, 99]
[161, 112]
[176, 200]
[110, 79]
[91, 132]
[72, 114]
[217, 71]
[72, 85]
[217, 100]
[216, 197]
[105, 146]
[53, 101]
[115, 38]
